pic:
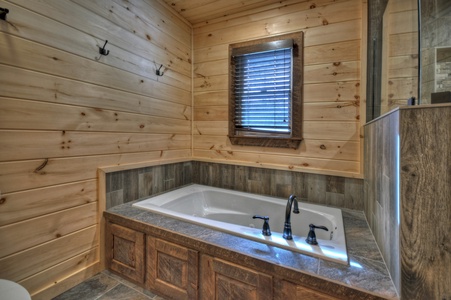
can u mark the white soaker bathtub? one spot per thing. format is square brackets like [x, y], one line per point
[232, 211]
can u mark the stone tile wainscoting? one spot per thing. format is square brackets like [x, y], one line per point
[130, 185]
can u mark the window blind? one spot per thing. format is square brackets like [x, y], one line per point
[262, 88]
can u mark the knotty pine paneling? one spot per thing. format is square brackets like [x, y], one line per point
[28, 204]
[206, 11]
[37, 144]
[28, 262]
[403, 44]
[332, 92]
[331, 130]
[291, 15]
[156, 25]
[65, 111]
[334, 52]
[55, 89]
[141, 58]
[31, 174]
[33, 56]
[295, 163]
[332, 74]
[400, 54]
[46, 228]
[85, 262]
[24, 114]
[322, 53]
[309, 148]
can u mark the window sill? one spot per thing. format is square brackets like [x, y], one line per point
[292, 143]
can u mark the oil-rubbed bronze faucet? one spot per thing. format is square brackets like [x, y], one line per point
[311, 237]
[266, 231]
[287, 226]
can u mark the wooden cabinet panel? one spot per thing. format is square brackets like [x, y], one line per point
[308, 294]
[172, 270]
[225, 280]
[125, 252]
[285, 290]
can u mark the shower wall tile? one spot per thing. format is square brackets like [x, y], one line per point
[314, 188]
[130, 185]
[353, 194]
[380, 182]
[145, 184]
[335, 199]
[299, 184]
[114, 198]
[335, 184]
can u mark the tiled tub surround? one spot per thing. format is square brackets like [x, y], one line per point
[129, 185]
[365, 278]
[408, 197]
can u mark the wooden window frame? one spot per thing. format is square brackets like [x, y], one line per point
[269, 139]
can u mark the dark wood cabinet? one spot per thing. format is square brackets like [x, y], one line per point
[308, 294]
[172, 270]
[125, 251]
[178, 272]
[285, 290]
[224, 280]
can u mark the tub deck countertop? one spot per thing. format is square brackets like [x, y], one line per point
[366, 277]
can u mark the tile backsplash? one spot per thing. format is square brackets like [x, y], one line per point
[130, 185]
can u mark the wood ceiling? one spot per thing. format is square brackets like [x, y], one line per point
[200, 11]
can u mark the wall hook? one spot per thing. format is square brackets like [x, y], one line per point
[3, 13]
[159, 72]
[102, 51]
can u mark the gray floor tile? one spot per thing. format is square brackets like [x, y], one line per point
[90, 289]
[123, 292]
[107, 286]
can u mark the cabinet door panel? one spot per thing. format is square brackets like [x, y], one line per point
[125, 251]
[227, 288]
[224, 280]
[308, 294]
[172, 270]
[285, 290]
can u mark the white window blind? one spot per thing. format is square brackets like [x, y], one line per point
[262, 88]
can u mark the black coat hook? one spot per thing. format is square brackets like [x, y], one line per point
[102, 51]
[158, 72]
[3, 13]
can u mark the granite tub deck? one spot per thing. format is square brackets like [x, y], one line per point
[365, 278]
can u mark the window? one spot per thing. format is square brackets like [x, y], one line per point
[266, 92]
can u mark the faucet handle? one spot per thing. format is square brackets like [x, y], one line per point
[266, 230]
[311, 237]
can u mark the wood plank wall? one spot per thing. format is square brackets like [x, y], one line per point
[65, 111]
[332, 92]
[400, 54]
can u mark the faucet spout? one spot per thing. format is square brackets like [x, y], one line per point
[287, 226]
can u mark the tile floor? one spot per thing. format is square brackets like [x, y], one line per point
[107, 286]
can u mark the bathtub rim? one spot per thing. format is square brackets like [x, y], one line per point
[298, 244]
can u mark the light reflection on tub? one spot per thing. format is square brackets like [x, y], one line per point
[232, 211]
